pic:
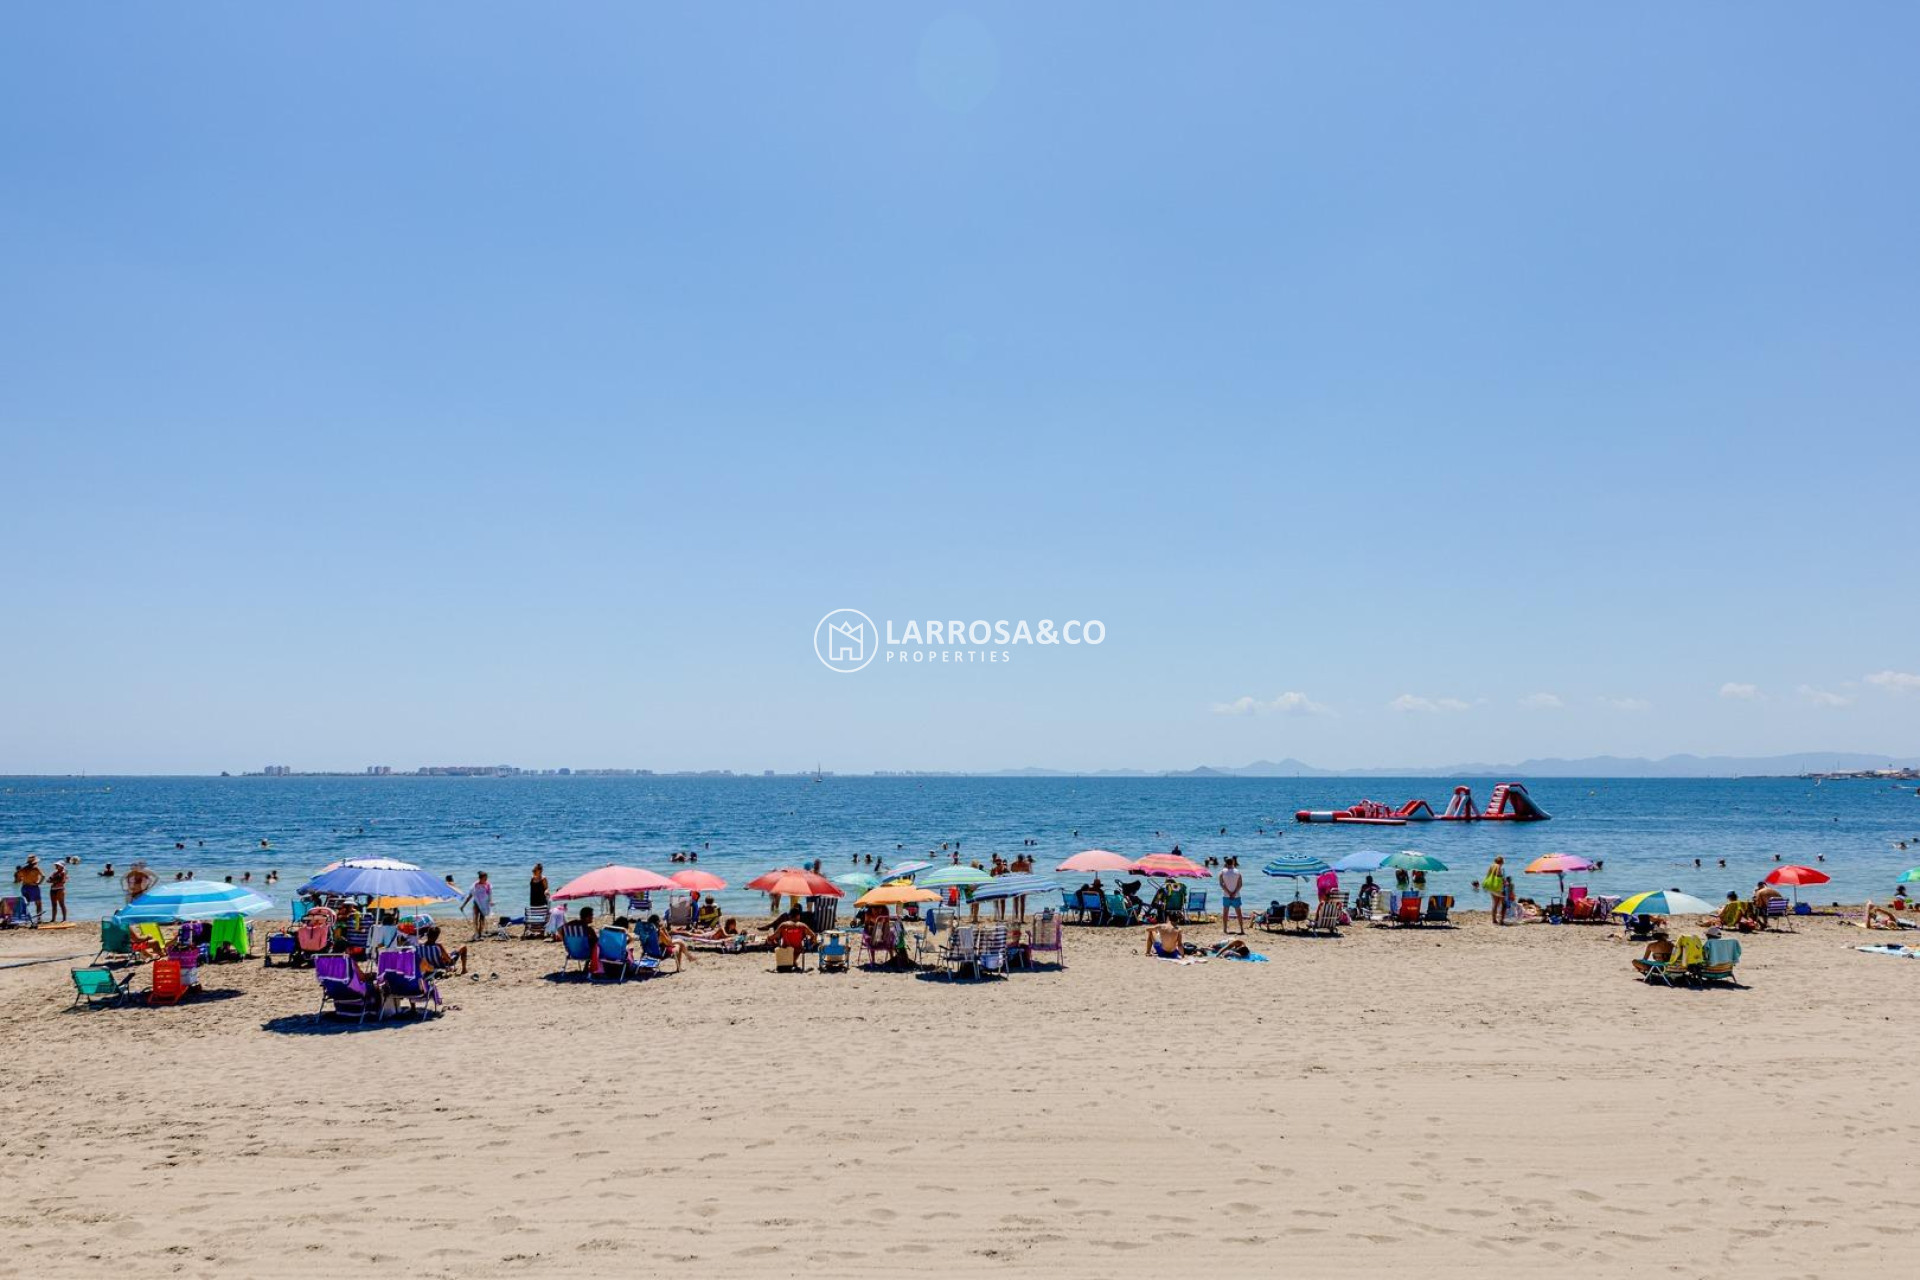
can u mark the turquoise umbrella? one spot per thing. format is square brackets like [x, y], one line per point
[857, 880]
[952, 877]
[1413, 860]
[1910, 876]
[1297, 868]
[192, 900]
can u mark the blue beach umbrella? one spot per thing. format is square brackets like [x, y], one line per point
[1014, 886]
[192, 900]
[1362, 860]
[857, 880]
[379, 878]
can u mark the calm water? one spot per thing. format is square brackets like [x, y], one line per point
[1647, 831]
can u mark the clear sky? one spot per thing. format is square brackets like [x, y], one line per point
[1399, 384]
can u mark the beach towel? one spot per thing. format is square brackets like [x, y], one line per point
[1889, 949]
[1252, 957]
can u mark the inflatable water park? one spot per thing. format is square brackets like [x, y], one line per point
[1508, 803]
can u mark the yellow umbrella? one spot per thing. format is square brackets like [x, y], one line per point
[891, 895]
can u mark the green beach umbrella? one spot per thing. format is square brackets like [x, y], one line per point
[952, 877]
[1910, 876]
[1413, 860]
[857, 880]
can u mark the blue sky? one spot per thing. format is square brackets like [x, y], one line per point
[410, 384]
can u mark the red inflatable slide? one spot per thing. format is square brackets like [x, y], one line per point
[1508, 803]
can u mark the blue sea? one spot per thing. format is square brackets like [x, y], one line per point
[1647, 831]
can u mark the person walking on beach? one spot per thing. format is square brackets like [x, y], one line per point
[480, 898]
[57, 893]
[1230, 886]
[1492, 882]
[28, 878]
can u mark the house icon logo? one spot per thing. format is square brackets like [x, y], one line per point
[845, 640]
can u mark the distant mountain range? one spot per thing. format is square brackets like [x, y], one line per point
[1681, 766]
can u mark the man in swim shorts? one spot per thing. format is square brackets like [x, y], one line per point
[1230, 886]
[1164, 942]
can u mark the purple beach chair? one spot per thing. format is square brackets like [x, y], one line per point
[399, 978]
[342, 986]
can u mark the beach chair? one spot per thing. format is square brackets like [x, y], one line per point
[285, 946]
[990, 951]
[166, 985]
[115, 940]
[353, 939]
[1326, 918]
[401, 982]
[1778, 911]
[639, 904]
[680, 914]
[958, 953]
[1653, 964]
[14, 914]
[824, 914]
[1438, 905]
[315, 936]
[342, 986]
[1047, 938]
[615, 948]
[1408, 911]
[650, 947]
[877, 941]
[1195, 909]
[99, 987]
[534, 923]
[834, 953]
[1717, 959]
[578, 939]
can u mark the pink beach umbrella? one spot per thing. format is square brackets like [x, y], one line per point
[1558, 864]
[612, 881]
[1096, 860]
[705, 881]
[1170, 864]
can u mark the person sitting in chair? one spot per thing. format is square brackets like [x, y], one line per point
[435, 958]
[657, 943]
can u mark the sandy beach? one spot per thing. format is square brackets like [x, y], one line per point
[1464, 1101]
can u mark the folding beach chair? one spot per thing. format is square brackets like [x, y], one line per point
[958, 952]
[1048, 938]
[680, 914]
[14, 914]
[285, 946]
[1408, 911]
[877, 940]
[616, 949]
[342, 986]
[167, 986]
[1778, 911]
[1326, 918]
[578, 939]
[1437, 907]
[99, 987]
[401, 982]
[115, 940]
[1718, 957]
[534, 923]
[834, 953]
[990, 951]
[1195, 910]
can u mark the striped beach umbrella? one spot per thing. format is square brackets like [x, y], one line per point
[1019, 885]
[952, 877]
[1296, 868]
[1664, 902]
[192, 900]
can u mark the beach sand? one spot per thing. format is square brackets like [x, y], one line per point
[1470, 1101]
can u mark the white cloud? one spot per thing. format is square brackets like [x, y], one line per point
[1824, 697]
[1740, 692]
[1896, 681]
[1542, 702]
[1625, 704]
[1413, 702]
[1290, 703]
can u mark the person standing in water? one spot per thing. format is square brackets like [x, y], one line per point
[57, 893]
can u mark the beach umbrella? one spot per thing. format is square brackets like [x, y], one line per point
[1558, 864]
[1664, 902]
[857, 880]
[1910, 876]
[612, 881]
[1296, 868]
[1797, 876]
[1361, 860]
[1095, 860]
[380, 878]
[905, 871]
[1169, 864]
[953, 877]
[795, 882]
[1018, 887]
[192, 900]
[705, 881]
[1413, 860]
[895, 895]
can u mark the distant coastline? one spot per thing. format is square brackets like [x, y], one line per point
[1826, 766]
